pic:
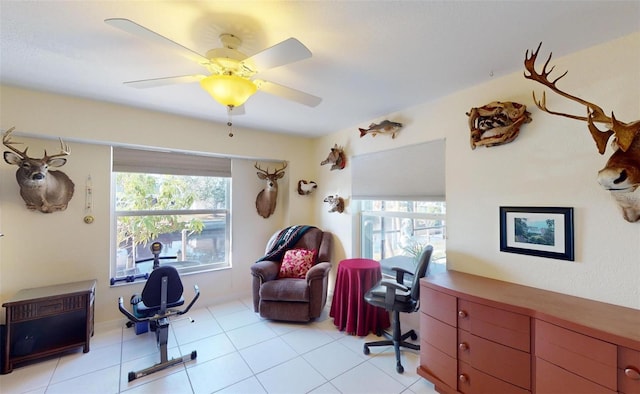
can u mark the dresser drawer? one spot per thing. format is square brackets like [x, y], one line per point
[472, 381]
[439, 305]
[628, 371]
[438, 364]
[503, 362]
[551, 379]
[585, 356]
[440, 335]
[511, 329]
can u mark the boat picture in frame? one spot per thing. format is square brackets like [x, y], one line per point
[537, 231]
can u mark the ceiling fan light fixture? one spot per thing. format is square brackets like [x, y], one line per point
[229, 90]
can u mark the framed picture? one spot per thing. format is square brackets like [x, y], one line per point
[537, 231]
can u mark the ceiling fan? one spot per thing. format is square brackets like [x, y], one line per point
[231, 74]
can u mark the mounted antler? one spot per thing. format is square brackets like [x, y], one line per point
[621, 174]
[6, 141]
[42, 189]
[624, 132]
[266, 199]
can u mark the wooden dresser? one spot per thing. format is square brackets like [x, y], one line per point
[480, 335]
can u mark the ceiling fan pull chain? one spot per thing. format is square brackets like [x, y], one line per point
[229, 122]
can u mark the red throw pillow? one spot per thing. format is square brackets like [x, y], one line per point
[296, 263]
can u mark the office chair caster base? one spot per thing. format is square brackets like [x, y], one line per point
[399, 368]
[366, 350]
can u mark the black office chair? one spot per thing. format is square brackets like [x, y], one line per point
[161, 293]
[394, 296]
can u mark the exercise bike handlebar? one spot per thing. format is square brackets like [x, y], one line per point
[196, 290]
[170, 312]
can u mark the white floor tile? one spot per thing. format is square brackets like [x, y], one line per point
[28, 377]
[367, 379]
[303, 341]
[208, 348]
[104, 381]
[293, 376]
[218, 374]
[267, 354]
[332, 359]
[77, 364]
[227, 308]
[238, 319]
[326, 388]
[251, 385]
[250, 335]
[197, 330]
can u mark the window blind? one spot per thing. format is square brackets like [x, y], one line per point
[163, 162]
[414, 172]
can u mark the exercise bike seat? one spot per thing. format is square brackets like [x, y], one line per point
[149, 302]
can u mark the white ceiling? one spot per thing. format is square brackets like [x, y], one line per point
[370, 58]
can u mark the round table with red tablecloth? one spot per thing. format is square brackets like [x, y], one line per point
[350, 312]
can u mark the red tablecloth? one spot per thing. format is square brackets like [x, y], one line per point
[349, 310]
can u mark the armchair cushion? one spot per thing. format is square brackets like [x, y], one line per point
[296, 263]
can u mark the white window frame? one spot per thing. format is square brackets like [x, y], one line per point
[142, 165]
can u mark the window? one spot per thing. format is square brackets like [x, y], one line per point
[401, 202]
[179, 200]
[394, 228]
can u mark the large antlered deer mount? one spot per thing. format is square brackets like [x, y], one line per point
[266, 199]
[621, 174]
[41, 189]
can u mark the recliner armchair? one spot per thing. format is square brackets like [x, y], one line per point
[394, 296]
[292, 299]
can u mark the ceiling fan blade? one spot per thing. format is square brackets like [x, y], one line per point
[156, 82]
[288, 51]
[132, 27]
[289, 93]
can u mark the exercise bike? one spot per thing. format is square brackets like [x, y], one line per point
[161, 294]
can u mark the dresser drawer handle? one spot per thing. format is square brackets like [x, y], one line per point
[632, 373]
[463, 378]
[463, 346]
[462, 314]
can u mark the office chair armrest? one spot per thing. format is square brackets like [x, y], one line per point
[393, 286]
[196, 290]
[265, 270]
[400, 273]
[128, 314]
[390, 295]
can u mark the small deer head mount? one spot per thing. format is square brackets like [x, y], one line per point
[621, 174]
[336, 158]
[266, 199]
[306, 188]
[41, 189]
[336, 203]
[496, 123]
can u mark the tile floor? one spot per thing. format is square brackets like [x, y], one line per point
[238, 352]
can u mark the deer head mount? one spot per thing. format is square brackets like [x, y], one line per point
[336, 158]
[266, 199]
[621, 174]
[41, 189]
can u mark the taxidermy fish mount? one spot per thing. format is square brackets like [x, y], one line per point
[384, 127]
[496, 123]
